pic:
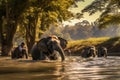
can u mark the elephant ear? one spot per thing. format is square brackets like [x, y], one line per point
[63, 42]
[42, 44]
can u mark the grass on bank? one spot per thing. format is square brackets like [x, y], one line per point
[112, 44]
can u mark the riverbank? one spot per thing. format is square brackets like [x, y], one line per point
[112, 44]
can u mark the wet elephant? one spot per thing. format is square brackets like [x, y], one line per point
[102, 52]
[67, 52]
[46, 47]
[16, 53]
[89, 51]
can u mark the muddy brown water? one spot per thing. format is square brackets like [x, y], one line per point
[74, 68]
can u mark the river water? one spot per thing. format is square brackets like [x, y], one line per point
[74, 68]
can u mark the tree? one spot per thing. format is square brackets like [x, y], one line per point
[109, 9]
[10, 12]
[34, 15]
[41, 14]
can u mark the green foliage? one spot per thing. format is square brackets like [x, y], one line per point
[34, 16]
[112, 44]
[49, 11]
[10, 14]
[109, 20]
[96, 5]
[77, 45]
[107, 7]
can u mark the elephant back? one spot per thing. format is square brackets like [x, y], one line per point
[42, 44]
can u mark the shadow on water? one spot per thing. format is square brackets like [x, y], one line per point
[74, 68]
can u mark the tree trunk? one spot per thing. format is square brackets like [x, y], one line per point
[6, 44]
[30, 36]
[6, 40]
[6, 49]
[30, 44]
[31, 32]
[0, 34]
[12, 13]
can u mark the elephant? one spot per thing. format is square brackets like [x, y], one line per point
[45, 48]
[89, 51]
[16, 53]
[67, 52]
[102, 52]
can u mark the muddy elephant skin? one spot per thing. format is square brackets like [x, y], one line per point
[45, 48]
[102, 52]
[88, 51]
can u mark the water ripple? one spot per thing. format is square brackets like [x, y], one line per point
[74, 68]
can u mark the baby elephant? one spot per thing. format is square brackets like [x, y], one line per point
[89, 51]
[102, 52]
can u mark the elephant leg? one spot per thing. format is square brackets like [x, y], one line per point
[43, 56]
[39, 56]
[35, 54]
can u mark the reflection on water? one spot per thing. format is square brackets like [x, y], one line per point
[74, 68]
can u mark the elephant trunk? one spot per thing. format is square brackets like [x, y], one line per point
[61, 52]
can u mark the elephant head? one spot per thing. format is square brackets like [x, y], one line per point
[102, 52]
[52, 43]
[89, 51]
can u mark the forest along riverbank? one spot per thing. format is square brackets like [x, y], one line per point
[112, 44]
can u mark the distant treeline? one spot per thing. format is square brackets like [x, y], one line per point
[83, 30]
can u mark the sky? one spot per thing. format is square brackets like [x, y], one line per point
[86, 16]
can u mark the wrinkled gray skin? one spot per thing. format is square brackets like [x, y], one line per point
[102, 52]
[45, 48]
[89, 51]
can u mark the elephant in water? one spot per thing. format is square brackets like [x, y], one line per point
[102, 52]
[89, 51]
[46, 48]
[19, 52]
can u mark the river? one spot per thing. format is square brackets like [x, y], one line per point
[74, 68]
